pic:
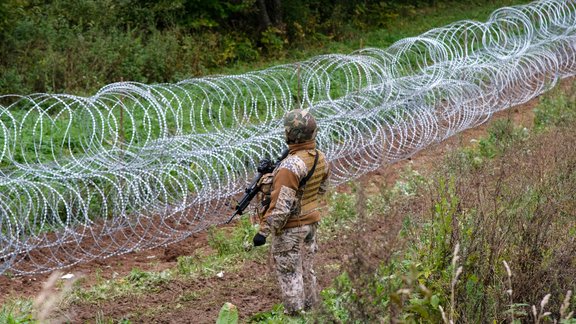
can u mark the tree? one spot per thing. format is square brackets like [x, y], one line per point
[270, 13]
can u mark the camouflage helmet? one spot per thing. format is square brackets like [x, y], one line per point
[299, 126]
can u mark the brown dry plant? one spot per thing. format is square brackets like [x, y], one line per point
[48, 300]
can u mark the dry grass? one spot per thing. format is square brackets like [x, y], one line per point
[45, 308]
[482, 241]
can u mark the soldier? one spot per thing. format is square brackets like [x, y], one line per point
[293, 215]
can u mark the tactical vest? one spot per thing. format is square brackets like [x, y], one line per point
[309, 200]
[307, 194]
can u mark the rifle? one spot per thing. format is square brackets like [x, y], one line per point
[265, 166]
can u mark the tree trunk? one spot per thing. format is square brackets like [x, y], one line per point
[263, 12]
[270, 12]
[275, 8]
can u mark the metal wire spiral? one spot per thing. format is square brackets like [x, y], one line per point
[137, 166]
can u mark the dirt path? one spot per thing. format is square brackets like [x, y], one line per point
[253, 288]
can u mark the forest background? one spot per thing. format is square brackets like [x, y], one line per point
[79, 46]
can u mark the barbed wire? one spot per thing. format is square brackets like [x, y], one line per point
[138, 166]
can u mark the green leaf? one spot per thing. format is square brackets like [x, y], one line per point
[435, 301]
[228, 314]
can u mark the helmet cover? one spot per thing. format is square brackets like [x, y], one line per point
[299, 126]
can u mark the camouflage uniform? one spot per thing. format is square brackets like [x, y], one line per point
[293, 216]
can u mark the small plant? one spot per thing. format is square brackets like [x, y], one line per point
[276, 316]
[207, 265]
[136, 282]
[501, 134]
[228, 314]
[189, 296]
[556, 108]
[17, 312]
[235, 240]
[410, 181]
[147, 280]
[336, 298]
[341, 209]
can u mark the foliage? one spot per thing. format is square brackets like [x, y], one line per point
[335, 299]
[556, 108]
[228, 314]
[409, 182]
[232, 240]
[482, 242]
[17, 312]
[205, 265]
[276, 316]
[136, 282]
[501, 135]
[79, 46]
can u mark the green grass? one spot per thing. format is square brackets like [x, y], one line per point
[137, 282]
[556, 108]
[426, 260]
[497, 209]
[17, 311]
[139, 115]
[57, 137]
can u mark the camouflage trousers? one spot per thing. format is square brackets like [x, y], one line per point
[293, 253]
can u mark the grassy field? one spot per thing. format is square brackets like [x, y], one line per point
[488, 237]
[56, 131]
[484, 235]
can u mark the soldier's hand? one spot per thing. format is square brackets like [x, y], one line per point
[259, 239]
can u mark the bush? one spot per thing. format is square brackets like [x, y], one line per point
[482, 243]
[79, 46]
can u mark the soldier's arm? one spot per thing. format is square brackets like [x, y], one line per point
[283, 197]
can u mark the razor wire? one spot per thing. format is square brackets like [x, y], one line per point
[138, 166]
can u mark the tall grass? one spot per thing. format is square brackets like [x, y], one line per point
[488, 237]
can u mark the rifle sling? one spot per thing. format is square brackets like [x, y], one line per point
[309, 175]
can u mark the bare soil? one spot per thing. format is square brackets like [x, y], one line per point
[252, 289]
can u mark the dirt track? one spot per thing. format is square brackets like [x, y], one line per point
[252, 289]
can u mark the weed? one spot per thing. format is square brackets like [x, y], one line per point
[18, 311]
[102, 319]
[514, 204]
[340, 211]
[189, 296]
[409, 182]
[275, 316]
[336, 298]
[143, 280]
[501, 134]
[233, 240]
[207, 265]
[556, 109]
[136, 282]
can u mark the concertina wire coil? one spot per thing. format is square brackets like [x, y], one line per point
[138, 166]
